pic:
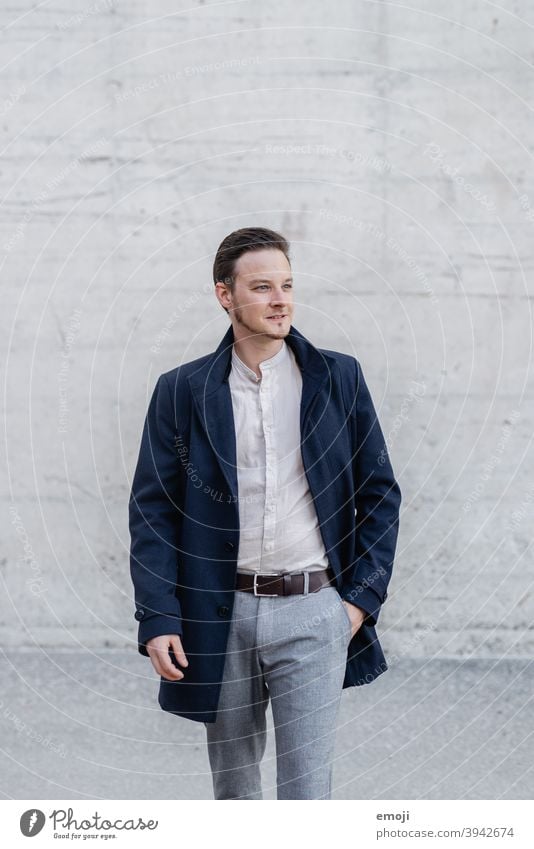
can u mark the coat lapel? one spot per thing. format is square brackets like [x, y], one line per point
[212, 397]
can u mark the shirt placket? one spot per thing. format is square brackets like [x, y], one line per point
[271, 482]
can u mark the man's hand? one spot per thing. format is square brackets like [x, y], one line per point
[356, 616]
[158, 651]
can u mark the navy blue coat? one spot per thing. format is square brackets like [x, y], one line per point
[184, 520]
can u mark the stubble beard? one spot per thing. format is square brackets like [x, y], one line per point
[281, 334]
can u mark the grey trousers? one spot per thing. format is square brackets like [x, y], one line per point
[291, 650]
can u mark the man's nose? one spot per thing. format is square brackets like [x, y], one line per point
[280, 297]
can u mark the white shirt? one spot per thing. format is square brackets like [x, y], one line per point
[279, 529]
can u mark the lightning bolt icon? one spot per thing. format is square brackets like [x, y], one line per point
[33, 819]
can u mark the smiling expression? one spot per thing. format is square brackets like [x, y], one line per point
[261, 299]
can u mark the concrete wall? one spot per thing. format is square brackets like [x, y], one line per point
[392, 146]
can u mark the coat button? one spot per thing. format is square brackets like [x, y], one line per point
[139, 614]
[229, 546]
[223, 610]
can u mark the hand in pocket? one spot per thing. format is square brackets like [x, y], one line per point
[356, 616]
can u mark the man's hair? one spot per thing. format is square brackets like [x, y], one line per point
[240, 242]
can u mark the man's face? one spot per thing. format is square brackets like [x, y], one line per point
[261, 302]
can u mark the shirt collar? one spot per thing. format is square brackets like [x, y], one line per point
[272, 362]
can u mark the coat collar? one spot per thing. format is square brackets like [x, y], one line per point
[212, 397]
[314, 365]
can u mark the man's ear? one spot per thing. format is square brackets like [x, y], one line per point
[222, 305]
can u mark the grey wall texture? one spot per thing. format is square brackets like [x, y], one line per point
[393, 147]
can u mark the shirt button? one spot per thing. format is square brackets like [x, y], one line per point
[223, 610]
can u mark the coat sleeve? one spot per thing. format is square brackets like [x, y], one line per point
[378, 499]
[154, 521]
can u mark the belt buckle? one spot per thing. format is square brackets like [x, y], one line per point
[255, 584]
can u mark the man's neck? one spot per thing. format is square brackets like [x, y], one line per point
[252, 354]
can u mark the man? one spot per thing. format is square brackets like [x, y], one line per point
[264, 518]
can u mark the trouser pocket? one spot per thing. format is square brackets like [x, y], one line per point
[345, 613]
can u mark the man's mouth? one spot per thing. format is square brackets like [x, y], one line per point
[277, 317]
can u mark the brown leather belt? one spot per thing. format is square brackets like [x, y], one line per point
[283, 583]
